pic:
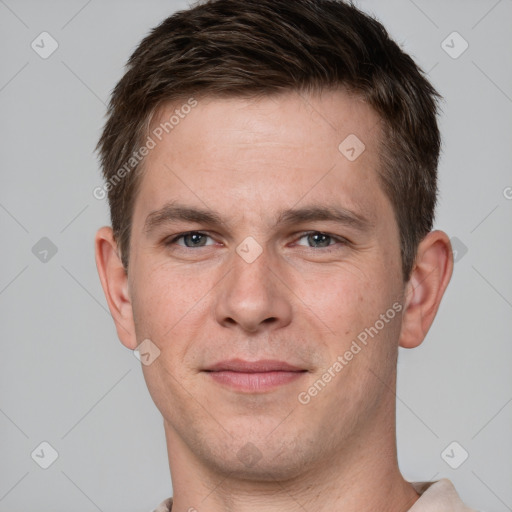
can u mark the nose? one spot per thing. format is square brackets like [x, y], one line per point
[253, 296]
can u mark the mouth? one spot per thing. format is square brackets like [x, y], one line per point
[254, 376]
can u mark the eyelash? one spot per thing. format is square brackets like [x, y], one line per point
[338, 239]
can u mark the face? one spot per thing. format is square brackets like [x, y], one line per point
[277, 250]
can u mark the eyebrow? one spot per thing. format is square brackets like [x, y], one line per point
[174, 212]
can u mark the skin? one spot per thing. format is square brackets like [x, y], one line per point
[301, 301]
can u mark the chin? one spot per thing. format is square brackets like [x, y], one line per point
[267, 460]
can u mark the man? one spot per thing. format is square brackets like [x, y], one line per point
[271, 173]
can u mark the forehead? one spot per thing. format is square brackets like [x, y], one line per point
[263, 154]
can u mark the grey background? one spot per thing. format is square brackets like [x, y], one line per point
[67, 380]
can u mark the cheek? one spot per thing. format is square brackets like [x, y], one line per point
[165, 307]
[343, 299]
[347, 305]
[170, 308]
[159, 301]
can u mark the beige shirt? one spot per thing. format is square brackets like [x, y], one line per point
[439, 496]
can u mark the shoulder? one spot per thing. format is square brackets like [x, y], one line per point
[438, 496]
[165, 506]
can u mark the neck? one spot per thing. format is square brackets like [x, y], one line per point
[363, 476]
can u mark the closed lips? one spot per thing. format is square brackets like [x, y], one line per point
[261, 366]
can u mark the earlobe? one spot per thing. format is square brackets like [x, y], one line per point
[114, 282]
[430, 276]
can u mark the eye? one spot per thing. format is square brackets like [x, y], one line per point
[319, 240]
[190, 239]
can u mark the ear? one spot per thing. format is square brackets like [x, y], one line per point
[430, 276]
[114, 281]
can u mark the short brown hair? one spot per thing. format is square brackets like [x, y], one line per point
[241, 48]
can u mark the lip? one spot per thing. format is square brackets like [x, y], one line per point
[263, 365]
[254, 376]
